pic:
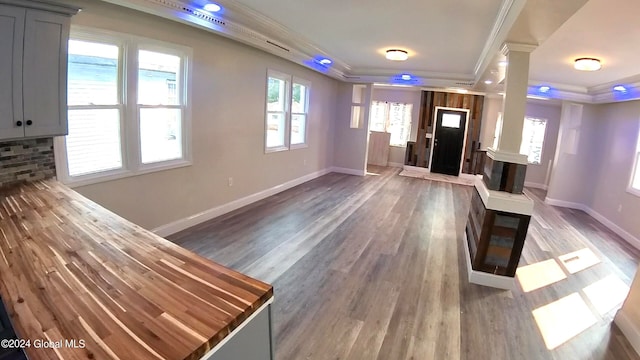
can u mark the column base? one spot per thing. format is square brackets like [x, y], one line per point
[483, 278]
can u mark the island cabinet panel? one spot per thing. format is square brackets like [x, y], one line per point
[70, 270]
[495, 238]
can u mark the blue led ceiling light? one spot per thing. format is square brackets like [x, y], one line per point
[325, 61]
[620, 89]
[405, 77]
[212, 7]
[544, 89]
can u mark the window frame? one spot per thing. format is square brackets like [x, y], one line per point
[307, 85]
[289, 80]
[635, 170]
[546, 122]
[386, 123]
[130, 140]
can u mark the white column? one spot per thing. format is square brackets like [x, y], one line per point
[515, 100]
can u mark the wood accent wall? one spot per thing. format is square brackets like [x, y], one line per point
[432, 99]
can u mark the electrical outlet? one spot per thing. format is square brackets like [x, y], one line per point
[230, 181]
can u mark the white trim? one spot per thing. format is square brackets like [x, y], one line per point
[189, 221]
[504, 201]
[483, 278]
[416, 169]
[464, 139]
[347, 171]
[499, 155]
[629, 329]
[395, 164]
[628, 237]
[536, 185]
[566, 204]
[226, 339]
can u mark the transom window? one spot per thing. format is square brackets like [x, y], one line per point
[394, 118]
[287, 112]
[122, 125]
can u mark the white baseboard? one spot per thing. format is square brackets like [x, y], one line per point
[536, 185]
[634, 241]
[395, 164]
[347, 171]
[629, 329]
[566, 204]
[417, 169]
[185, 223]
[628, 237]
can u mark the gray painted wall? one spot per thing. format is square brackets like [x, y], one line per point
[228, 110]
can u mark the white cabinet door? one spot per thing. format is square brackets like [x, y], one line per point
[45, 73]
[12, 30]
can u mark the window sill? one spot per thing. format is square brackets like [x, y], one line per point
[398, 146]
[299, 146]
[275, 149]
[633, 191]
[91, 179]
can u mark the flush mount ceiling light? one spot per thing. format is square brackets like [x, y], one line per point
[212, 7]
[397, 55]
[488, 82]
[587, 64]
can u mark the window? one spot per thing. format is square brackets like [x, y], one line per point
[634, 186]
[123, 125]
[287, 112]
[394, 118]
[533, 139]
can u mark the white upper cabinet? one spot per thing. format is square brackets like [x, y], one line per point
[33, 69]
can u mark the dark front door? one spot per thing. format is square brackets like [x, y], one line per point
[449, 141]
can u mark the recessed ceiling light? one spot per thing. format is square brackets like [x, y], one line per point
[503, 63]
[325, 61]
[620, 88]
[544, 89]
[397, 55]
[587, 64]
[212, 7]
[488, 82]
[406, 77]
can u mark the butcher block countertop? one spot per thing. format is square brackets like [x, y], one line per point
[71, 270]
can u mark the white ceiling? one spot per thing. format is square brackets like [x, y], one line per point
[605, 29]
[452, 43]
[441, 36]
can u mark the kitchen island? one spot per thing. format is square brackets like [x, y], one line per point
[90, 284]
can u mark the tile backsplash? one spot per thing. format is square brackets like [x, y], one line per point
[26, 160]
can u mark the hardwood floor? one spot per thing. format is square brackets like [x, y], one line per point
[373, 268]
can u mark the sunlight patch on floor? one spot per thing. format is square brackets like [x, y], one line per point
[579, 260]
[607, 293]
[539, 275]
[563, 319]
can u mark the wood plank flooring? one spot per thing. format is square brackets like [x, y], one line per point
[373, 268]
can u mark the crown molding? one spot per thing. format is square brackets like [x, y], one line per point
[510, 46]
[507, 16]
[45, 5]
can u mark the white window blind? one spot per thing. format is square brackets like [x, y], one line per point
[533, 132]
[394, 118]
